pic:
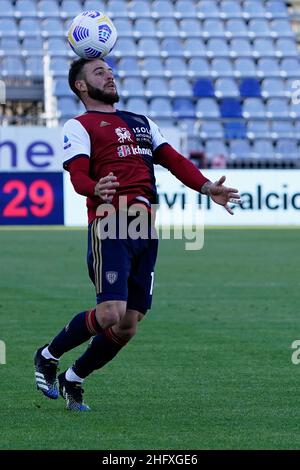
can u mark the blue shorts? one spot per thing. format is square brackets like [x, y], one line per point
[122, 269]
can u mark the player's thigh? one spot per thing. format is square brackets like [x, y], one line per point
[141, 280]
[109, 262]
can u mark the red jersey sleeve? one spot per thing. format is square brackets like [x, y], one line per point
[180, 167]
[79, 172]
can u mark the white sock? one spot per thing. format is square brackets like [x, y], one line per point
[72, 377]
[47, 355]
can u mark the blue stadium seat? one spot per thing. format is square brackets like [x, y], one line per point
[283, 129]
[294, 110]
[194, 47]
[124, 27]
[12, 67]
[175, 67]
[207, 108]
[215, 147]
[211, 130]
[149, 47]
[185, 9]
[52, 27]
[277, 108]
[199, 67]
[162, 8]
[57, 46]
[258, 129]
[6, 9]
[253, 9]
[263, 148]
[183, 108]
[213, 28]
[235, 130]
[70, 8]
[10, 46]
[167, 27]
[67, 107]
[117, 9]
[140, 9]
[129, 67]
[33, 46]
[268, 67]
[250, 88]
[180, 87]
[48, 9]
[25, 9]
[287, 148]
[245, 68]
[230, 108]
[203, 87]
[172, 47]
[290, 68]
[8, 27]
[145, 27]
[59, 66]
[94, 5]
[61, 88]
[239, 149]
[264, 47]
[217, 48]
[241, 47]
[230, 9]
[282, 28]
[156, 87]
[260, 28]
[273, 87]
[125, 48]
[160, 107]
[226, 87]
[287, 47]
[137, 105]
[132, 87]
[237, 28]
[208, 9]
[277, 9]
[152, 67]
[190, 27]
[253, 108]
[222, 68]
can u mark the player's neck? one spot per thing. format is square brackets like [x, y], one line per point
[93, 105]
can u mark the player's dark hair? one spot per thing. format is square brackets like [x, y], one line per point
[74, 73]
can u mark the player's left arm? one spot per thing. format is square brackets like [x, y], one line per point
[192, 177]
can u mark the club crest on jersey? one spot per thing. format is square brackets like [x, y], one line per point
[111, 276]
[123, 135]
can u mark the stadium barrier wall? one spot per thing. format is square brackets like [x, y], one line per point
[34, 189]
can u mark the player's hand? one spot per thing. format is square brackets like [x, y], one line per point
[223, 195]
[106, 187]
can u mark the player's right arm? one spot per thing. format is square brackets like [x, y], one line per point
[77, 150]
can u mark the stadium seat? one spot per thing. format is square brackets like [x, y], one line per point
[250, 88]
[287, 148]
[235, 130]
[116, 9]
[268, 67]
[126, 47]
[183, 108]
[167, 27]
[203, 87]
[6, 9]
[236, 28]
[190, 27]
[282, 129]
[160, 107]
[145, 27]
[276, 9]
[282, 28]
[208, 9]
[129, 67]
[132, 87]
[59, 66]
[162, 8]
[215, 147]
[199, 67]
[52, 27]
[137, 105]
[25, 9]
[258, 129]
[70, 8]
[222, 68]
[241, 47]
[48, 9]
[12, 67]
[194, 47]
[211, 130]
[217, 48]
[207, 108]
[56, 46]
[286, 47]
[33, 46]
[156, 87]
[277, 108]
[260, 28]
[8, 27]
[175, 67]
[10, 46]
[252, 9]
[230, 108]
[61, 88]
[94, 5]
[148, 47]
[273, 87]
[213, 28]
[264, 47]
[226, 87]
[34, 66]
[180, 87]
[185, 9]
[239, 149]
[290, 68]
[253, 108]
[124, 27]
[139, 9]
[230, 9]
[263, 148]
[67, 107]
[153, 66]
[172, 47]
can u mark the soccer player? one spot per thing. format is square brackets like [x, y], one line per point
[109, 154]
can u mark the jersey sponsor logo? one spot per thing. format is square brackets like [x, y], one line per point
[129, 150]
[142, 135]
[104, 123]
[111, 276]
[123, 135]
[67, 143]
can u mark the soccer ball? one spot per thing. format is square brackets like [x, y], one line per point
[92, 35]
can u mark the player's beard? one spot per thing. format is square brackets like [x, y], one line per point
[100, 95]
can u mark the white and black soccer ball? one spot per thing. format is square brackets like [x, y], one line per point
[92, 35]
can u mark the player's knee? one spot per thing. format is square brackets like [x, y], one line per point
[125, 333]
[110, 313]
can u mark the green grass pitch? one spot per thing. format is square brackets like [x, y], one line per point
[210, 368]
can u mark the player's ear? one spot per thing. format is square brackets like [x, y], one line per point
[81, 85]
